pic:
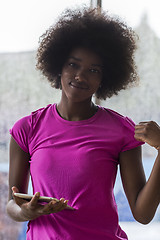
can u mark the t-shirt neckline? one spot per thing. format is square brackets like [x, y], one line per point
[80, 122]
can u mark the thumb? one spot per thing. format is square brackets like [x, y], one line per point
[19, 201]
[15, 190]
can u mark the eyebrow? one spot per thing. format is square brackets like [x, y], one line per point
[79, 60]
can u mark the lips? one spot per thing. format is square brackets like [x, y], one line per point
[78, 85]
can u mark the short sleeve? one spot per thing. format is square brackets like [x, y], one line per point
[129, 140]
[20, 132]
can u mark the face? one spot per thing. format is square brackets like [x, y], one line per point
[81, 75]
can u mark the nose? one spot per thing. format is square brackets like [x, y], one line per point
[81, 76]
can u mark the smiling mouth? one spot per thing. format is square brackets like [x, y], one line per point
[77, 85]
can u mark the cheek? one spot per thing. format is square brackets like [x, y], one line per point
[97, 83]
[64, 78]
[67, 74]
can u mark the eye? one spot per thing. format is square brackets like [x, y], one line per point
[72, 64]
[93, 70]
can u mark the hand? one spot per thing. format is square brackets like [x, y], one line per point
[148, 132]
[33, 209]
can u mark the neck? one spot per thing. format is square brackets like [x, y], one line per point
[73, 111]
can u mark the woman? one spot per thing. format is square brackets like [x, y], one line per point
[72, 149]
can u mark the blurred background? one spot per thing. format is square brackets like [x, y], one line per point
[23, 89]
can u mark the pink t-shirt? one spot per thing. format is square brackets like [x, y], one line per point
[76, 160]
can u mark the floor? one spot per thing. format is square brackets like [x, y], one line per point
[137, 231]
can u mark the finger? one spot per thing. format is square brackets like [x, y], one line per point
[140, 126]
[50, 207]
[15, 189]
[65, 203]
[139, 137]
[149, 123]
[54, 206]
[62, 204]
[144, 122]
[57, 205]
[19, 201]
[35, 199]
[140, 131]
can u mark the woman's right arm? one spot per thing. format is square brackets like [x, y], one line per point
[17, 208]
[19, 177]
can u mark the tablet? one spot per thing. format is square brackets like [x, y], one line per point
[41, 199]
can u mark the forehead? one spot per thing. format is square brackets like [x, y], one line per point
[85, 55]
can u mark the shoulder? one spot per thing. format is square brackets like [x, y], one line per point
[23, 129]
[31, 119]
[116, 118]
[125, 127]
[41, 114]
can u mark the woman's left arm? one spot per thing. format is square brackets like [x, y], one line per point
[143, 197]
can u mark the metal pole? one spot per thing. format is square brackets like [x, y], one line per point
[96, 4]
[99, 3]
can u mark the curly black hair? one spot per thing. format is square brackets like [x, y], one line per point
[107, 36]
